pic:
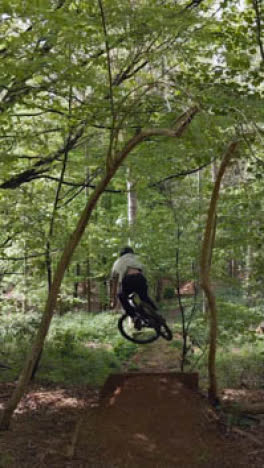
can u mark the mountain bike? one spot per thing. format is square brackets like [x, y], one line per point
[143, 325]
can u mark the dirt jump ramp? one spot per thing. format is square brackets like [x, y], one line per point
[154, 421]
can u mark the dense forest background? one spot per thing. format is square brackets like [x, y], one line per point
[117, 115]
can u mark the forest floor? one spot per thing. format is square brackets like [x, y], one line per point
[149, 420]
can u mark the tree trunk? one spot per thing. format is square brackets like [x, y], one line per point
[25, 275]
[158, 290]
[206, 258]
[88, 284]
[76, 282]
[112, 166]
[131, 202]
[247, 273]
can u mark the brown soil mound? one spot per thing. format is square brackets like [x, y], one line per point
[155, 422]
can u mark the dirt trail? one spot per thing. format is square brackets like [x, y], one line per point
[161, 355]
[157, 356]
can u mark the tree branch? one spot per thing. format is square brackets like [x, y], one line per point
[193, 4]
[34, 172]
[182, 174]
[111, 95]
[181, 123]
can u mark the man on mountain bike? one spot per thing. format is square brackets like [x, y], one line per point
[127, 278]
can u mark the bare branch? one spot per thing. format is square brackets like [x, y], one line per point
[193, 4]
[4, 244]
[18, 259]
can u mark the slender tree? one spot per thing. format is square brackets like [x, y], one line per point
[206, 258]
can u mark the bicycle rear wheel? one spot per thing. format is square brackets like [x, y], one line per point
[160, 323]
[165, 331]
[147, 333]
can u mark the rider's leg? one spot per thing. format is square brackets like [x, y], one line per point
[142, 290]
[125, 304]
[145, 298]
[129, 285]
[123, 297]
[138, 284]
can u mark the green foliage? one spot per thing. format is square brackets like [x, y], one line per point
[169, 293]
[64, 342]
[239, 358]
[155, 80]
[176, 344]
[237, 321]
[100, 327]
[123, 349]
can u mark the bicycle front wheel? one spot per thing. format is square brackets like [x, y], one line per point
[147, 334]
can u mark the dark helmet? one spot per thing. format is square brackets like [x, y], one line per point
[126, 250]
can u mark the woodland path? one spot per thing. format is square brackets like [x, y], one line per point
[159, 356]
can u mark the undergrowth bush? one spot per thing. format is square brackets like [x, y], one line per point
[241, 367]
[237, 320]
[236, 323]
[236, 366]
[239, 359]
[76, 364]
[80, 347]
[18, 326]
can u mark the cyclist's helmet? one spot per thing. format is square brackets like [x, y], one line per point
[126, 250]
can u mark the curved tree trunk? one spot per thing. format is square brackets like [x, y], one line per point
[206, 257]
[51, 303]
[70, 247]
